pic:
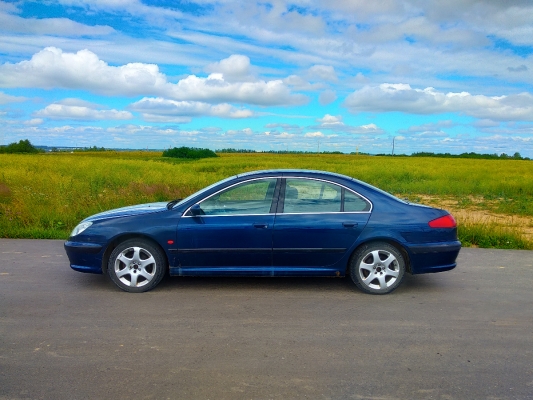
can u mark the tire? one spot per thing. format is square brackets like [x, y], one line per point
[377, 268]
[136, 266]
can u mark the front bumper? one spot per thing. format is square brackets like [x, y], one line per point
[85, 257]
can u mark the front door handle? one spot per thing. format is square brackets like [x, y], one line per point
[260, 226]
[349, 224]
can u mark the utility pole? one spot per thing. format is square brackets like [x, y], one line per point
[393, 144]
[318, 150]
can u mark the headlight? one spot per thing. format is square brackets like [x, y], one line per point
[80, 228]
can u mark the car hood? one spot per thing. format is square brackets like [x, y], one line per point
[129, 211]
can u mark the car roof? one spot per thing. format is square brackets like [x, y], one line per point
[302, 172]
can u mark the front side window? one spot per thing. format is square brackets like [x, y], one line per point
[253, 197]
[313, 196]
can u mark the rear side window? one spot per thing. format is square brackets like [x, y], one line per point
[313, 196]
[305, 196]
[355, 203]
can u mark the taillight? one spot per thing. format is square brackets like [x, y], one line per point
[446, 221]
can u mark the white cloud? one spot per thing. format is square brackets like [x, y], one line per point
[52, 68]
[360, 78]
[314, 135]
[369, 128]
[509, 20]
[327, 97]
[283, 126]
[401, 97]
[215, 89]
[7, 99]
[285, 135]
[8, 7]
[168, 119]
[486, 123]
[72, 101]
[34, 122]
[335, 123]
[298, 83]
[322, 73]
[102, 4]
[76, 112]
[430, 127]
[330, 120]
[50, 26]
[127, 7]
[170, 108]
[234, 68]
[431, 134]
[520, 68]
[224, 28]
[237, 132]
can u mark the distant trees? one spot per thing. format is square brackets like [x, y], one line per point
[189, 152]
[503, 156]
[94, 148]
[232, 150]
[194, 153]
[23, 146]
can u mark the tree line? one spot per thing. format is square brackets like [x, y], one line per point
[25, 146]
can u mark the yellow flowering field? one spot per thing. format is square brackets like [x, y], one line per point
[46, 195]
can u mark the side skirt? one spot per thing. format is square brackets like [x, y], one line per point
[255, 271]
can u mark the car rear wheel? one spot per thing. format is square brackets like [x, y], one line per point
[377, 268]
[136, 265]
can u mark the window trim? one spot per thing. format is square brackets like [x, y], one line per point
[278, 202]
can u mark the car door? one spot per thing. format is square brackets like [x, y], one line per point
[316, 224]
[230, 232]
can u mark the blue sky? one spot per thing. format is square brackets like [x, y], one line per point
[347, 75]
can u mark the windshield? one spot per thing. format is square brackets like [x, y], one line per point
[186, 199]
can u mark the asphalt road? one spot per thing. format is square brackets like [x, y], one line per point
[463, 334]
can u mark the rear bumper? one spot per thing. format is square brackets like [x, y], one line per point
[433, 257]
[85, 257]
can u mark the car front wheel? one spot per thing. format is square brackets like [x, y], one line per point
[377, 268]
[136, 265]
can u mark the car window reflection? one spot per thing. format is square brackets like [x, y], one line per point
[314, 196]
[302, 195]
[254, 197]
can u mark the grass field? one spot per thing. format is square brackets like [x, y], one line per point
[46, 195]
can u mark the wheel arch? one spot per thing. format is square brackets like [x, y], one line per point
[387, 240]
[122, 238]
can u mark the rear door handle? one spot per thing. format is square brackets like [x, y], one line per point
[260, 226]
[349, 224]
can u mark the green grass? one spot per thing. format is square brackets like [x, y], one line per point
[46, 195]
[491, 236]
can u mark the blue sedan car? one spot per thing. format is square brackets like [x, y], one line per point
[269, 223]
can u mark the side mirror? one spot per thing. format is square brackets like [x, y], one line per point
[196, 210]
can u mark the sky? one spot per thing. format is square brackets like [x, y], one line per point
[305, 75]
